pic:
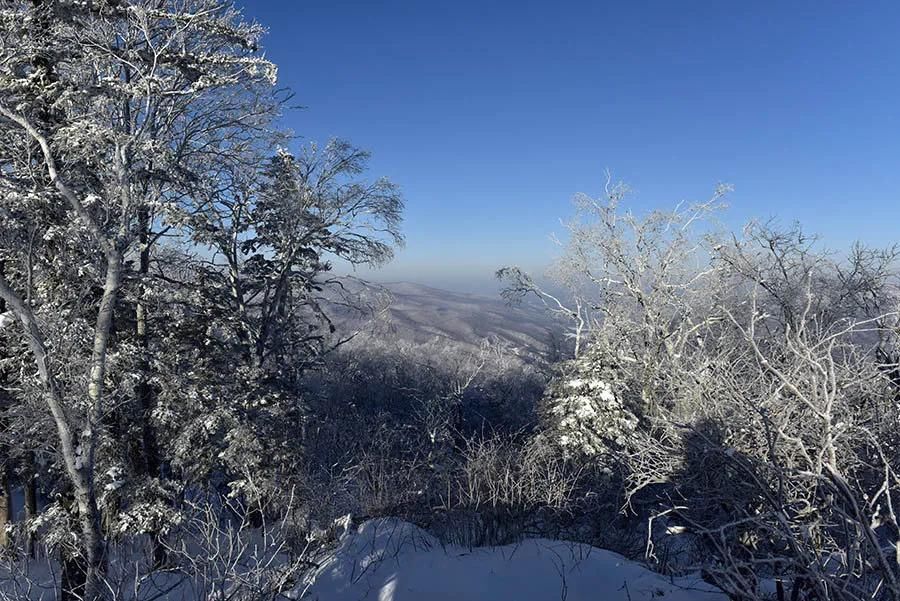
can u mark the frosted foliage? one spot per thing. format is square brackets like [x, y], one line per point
[586, 415]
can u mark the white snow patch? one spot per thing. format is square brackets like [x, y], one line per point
[592, 384]
[391, 560]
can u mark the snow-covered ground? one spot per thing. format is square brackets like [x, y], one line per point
[392, 560]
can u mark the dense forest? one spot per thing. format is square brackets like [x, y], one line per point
[192, 402]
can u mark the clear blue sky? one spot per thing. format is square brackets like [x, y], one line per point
[491, 115]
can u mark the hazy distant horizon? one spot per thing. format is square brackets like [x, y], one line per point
[479, 281]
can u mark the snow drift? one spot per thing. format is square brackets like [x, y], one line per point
[391, 560]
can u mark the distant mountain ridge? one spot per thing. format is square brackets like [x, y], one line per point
[419, 313]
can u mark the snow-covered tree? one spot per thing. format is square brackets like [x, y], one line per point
[586, 411]
[274, 234]
[110, 111]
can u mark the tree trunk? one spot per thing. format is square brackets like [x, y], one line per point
[6, 508]
[31, 507]
[151, 461]
[86, 496]
[143, 391]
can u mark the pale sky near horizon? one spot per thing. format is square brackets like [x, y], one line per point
[491, 115]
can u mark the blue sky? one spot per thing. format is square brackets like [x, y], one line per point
[491, 115]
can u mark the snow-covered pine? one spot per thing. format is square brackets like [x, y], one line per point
[584, 409]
